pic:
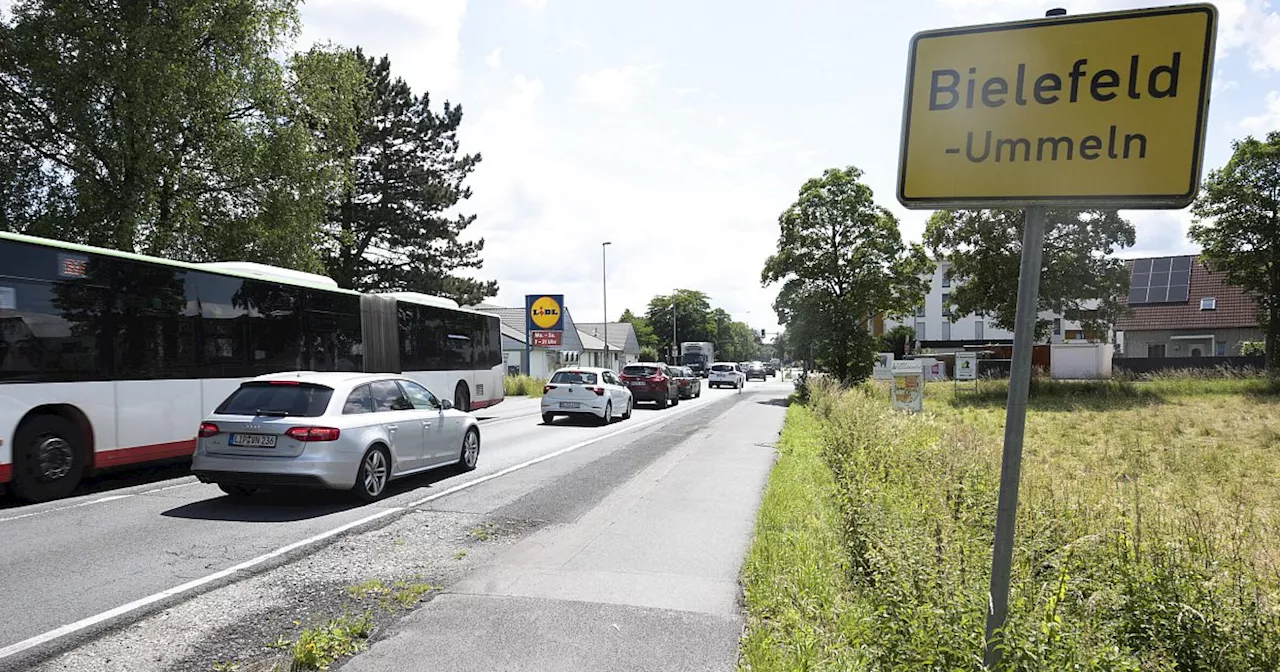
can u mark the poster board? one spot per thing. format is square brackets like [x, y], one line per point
[966, 366]
[884, 366]
[907, 392]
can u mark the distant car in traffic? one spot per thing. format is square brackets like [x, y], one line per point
[586, 391]
[725, 374]
[770, 369]
[688, 382]
[344, 431]
[652, 381]
[755, 370]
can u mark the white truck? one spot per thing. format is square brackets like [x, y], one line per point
[698, 356]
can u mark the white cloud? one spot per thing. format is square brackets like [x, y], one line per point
[536, 5]
[494, 59]
[1242, 24]
[422, 38]
[1269, 120]
[614, 87]
[548, 193]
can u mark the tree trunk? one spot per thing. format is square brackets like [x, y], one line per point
[1272, 346]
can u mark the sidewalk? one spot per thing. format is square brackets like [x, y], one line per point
[646, 580]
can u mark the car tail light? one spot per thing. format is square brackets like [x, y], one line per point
[313, 433]
[547, 388]
[207, 429]
[598, 390]
[284, 382]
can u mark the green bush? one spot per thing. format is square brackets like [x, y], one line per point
[516, 386]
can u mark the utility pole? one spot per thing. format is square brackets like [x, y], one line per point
[675, 345]
[604, 288]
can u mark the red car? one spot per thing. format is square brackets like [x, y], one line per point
[654, 382]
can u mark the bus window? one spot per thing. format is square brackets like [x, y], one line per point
[54, 333]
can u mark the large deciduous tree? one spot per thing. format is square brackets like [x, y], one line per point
[841, 260]
[691, 311]
[644, 333]
[395, 227]
[1238, 225]
[1080, 279]
[166, 128]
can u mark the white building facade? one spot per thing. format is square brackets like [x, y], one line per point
[938, 328]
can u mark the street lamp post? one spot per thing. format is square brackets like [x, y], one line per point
[675, 345]
[604, 288]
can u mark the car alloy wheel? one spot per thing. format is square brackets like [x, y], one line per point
[470, 449]
[374, 473]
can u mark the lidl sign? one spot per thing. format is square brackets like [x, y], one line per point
[1074, 111]
[544, 312]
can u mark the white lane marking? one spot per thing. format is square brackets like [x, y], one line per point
[91, 621]
[70, 628]
[669, 413]
[99, 500]
[491, 423]
[170, 487]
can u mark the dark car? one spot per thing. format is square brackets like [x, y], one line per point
[770, 369]
[756, 370]
[655, 382]
[688, 382]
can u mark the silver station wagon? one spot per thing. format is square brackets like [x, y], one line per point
[345, 431]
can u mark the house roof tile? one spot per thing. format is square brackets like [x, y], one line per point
[1234, 306]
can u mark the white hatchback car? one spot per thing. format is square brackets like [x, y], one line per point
[725, 374]
[581, 391]
[346, 431]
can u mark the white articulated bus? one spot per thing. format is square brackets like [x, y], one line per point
[109, 358]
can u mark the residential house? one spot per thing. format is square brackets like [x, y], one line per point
[542, 360]
[939, 330]
[624, 347]
[1180, 308]
[582, 344]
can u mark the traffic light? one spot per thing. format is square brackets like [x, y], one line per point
[762, 334]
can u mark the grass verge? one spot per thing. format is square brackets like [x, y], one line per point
[514, 386]
[794, 578]
[1148, 533]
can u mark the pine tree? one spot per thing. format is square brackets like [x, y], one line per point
[395, 229]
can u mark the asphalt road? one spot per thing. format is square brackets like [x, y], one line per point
[83, 557]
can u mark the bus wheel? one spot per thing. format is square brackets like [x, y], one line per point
[462, 398]
[48, 459]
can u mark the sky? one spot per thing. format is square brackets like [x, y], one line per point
[678, 131]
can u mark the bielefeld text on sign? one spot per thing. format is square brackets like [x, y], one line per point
[1077, 111]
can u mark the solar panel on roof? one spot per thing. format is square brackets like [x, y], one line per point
[1162, 280]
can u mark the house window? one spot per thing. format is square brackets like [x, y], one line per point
[1155, 349]
[1208, 303]
[977, 331]
[946, 305]
[946, 330]
[920, 331]
[1057, 326]
[920, 310]
[1220, 349]
[946, 278]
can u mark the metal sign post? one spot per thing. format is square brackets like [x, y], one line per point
[1102, 110]
[1015, 421]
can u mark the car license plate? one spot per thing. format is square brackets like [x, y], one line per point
[636, 383]
[569, 404]
[253, 440]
